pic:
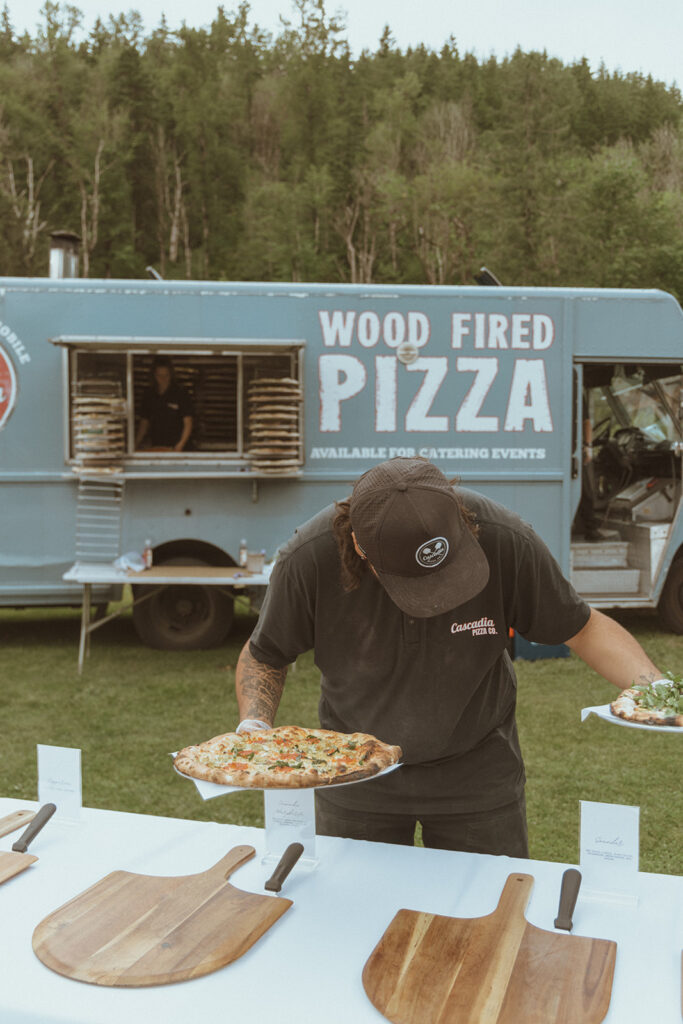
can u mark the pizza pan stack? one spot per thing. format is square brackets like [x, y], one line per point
[98, 414]
[274, 439]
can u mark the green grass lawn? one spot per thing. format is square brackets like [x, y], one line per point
[133, 705]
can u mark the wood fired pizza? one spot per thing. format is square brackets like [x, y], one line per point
[658, 703]
[287, 757]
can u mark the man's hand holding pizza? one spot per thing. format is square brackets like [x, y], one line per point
[251, 725]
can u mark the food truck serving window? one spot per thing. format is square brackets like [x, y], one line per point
[232, 402]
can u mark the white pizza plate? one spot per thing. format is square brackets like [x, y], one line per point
[207, 790]
[604, 711]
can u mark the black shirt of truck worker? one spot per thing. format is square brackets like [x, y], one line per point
[164, 411]
[442, 687]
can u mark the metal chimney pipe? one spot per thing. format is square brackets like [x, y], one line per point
[64, 250]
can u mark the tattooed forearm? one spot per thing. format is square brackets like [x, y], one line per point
[259, 687]
[612, 652]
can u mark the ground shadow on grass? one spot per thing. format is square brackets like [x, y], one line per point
[40, 627]
[48, 627]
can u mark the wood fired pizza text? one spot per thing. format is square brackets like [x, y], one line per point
[343, 376]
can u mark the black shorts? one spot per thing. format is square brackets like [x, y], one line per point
[502, 830]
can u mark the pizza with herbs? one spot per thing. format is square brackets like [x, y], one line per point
[288, 757]
[659, 703]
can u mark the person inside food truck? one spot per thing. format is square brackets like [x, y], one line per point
[166, 411]
[406, 593]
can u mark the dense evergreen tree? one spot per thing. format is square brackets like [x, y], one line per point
[226, 153]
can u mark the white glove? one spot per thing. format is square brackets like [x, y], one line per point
[252, 725]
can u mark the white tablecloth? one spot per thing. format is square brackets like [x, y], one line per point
[307, 967]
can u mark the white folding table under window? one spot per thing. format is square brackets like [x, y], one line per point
[88, 575]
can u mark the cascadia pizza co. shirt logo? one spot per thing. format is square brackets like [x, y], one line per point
[480, 627]
[8, 387]
[432, 552]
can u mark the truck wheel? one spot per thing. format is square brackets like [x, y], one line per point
[183, 618]
[670, 605]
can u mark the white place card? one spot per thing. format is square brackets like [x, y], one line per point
[59, 780]
[290, 818]
[609, 854]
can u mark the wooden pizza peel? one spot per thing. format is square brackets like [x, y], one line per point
[133, 930]
[431, 969]
[18, 860]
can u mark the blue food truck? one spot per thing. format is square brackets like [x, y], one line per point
[563, 404]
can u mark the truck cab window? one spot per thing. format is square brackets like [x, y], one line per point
[635, 432]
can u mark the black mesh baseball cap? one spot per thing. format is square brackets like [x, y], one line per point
[407, 521]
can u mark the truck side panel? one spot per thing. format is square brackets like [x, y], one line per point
[478, 380]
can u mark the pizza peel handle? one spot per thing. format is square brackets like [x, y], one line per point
[569, 891]
[284, 866]
[36, 824]
[18, 860]
[431, 969]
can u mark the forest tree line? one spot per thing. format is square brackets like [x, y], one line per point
[227, 153]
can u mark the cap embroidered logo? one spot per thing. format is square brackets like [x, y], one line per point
[432, 552]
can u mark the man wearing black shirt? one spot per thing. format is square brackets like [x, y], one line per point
[166, 412]
[406, 594]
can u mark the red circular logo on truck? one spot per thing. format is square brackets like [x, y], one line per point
[8, 387]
